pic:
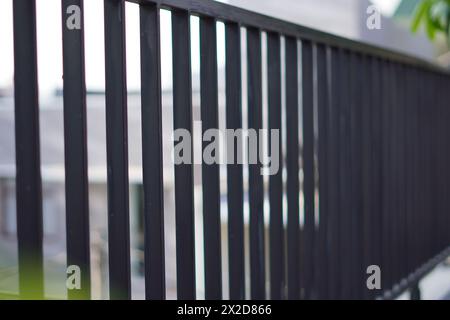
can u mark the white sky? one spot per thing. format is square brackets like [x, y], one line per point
[50, 50]
[387, 7]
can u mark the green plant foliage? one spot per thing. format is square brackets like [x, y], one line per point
[434, 15]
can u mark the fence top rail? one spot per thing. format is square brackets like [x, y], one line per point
[231, 14]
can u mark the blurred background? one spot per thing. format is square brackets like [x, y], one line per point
[342, 17]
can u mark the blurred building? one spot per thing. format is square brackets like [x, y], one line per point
[53, 192]
[346, 18]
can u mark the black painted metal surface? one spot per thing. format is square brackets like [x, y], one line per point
[28, 173]
[75, 143]
[184, 184]
[117, 151]
[152, 153]
[365, 158]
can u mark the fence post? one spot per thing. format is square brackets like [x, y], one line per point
[414, 292]
[28, 173]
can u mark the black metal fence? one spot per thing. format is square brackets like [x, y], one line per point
[373, 151]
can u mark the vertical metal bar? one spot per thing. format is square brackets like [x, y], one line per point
[210, 171]
[184, 184]
[256, 188]
[345, 173]
[28, 170]
[430, 165]
[275, 180]
[75, 145]
[117, 150]
[439, 151]
[375, 158]
[307, 247]
[236, 259]
[417, 167]
[445, 161]
[441, 154]
[395, 182]
[350, 154]
[424, 119]
[422, 122]
[356, 101]
[334, 178]
[152, 152]
[392, 177]
[446, 137]
[323, 151]
[402, 171]
[367, 165]
[292, 169]
[394, 173]
[435, 168]
[444, 151]
[439, 173]
[386, 185]
[410, 177]
[414, 292]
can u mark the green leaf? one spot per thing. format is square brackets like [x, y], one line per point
[448, 25]
[438, 14]
[419, 15]
[430, 28]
